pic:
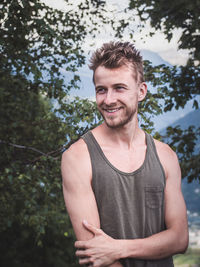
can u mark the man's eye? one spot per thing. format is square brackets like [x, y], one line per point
[120, 87]
[100, 91]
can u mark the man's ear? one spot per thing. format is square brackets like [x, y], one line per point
[142, 91]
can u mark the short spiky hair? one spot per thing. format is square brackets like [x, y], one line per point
[116, 54]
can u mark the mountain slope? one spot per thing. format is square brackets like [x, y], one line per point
[192, 118]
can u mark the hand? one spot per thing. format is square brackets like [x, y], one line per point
[99, 251]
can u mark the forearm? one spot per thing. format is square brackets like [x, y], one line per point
[157, 246]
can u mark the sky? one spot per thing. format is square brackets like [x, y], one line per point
[157, 43]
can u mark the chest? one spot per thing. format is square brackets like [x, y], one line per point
[125, 160]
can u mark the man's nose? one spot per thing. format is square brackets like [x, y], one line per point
[110, 98]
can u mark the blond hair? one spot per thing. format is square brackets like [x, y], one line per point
[116, 54]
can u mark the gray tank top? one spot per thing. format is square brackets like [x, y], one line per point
[130, 205]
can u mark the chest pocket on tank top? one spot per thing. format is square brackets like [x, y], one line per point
[154, 212]
[154, 197]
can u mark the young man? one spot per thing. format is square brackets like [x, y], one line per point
[122, 188]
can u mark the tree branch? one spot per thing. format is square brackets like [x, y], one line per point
[49, 154]
[24, 147]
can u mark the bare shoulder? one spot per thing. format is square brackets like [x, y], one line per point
[167, 156]
[75, 163]
[75, 152]
[164, 149]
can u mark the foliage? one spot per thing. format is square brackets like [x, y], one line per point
[37, 123]
[32, 209]
[190, 258]
[176, 84]
[167, 16]
[184, 143]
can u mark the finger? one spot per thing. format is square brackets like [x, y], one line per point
[85, 261]
[81, 253]
[80, 244]
[91, 228]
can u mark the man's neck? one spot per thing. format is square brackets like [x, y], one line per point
[127, 136]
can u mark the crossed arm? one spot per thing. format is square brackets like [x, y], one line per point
[97, 248]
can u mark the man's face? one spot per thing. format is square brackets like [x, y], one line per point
[117, 95]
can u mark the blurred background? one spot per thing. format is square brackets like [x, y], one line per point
[47, 101]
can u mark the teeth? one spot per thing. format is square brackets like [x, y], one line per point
[111, 110]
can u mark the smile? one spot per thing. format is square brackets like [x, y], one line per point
[112, 110]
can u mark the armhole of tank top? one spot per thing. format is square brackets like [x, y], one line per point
[156, 154]
[85, 139]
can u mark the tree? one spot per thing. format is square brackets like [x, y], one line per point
[177, 85]
[37, 123]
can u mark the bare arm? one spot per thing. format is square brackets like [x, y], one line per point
[78, 194]
[161, 245]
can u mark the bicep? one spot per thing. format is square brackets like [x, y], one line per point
[79, 198]
[175, 208]
[81, 205]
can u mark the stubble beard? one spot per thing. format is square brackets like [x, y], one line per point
[122, 122]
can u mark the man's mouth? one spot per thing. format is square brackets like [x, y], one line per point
[111, 110]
